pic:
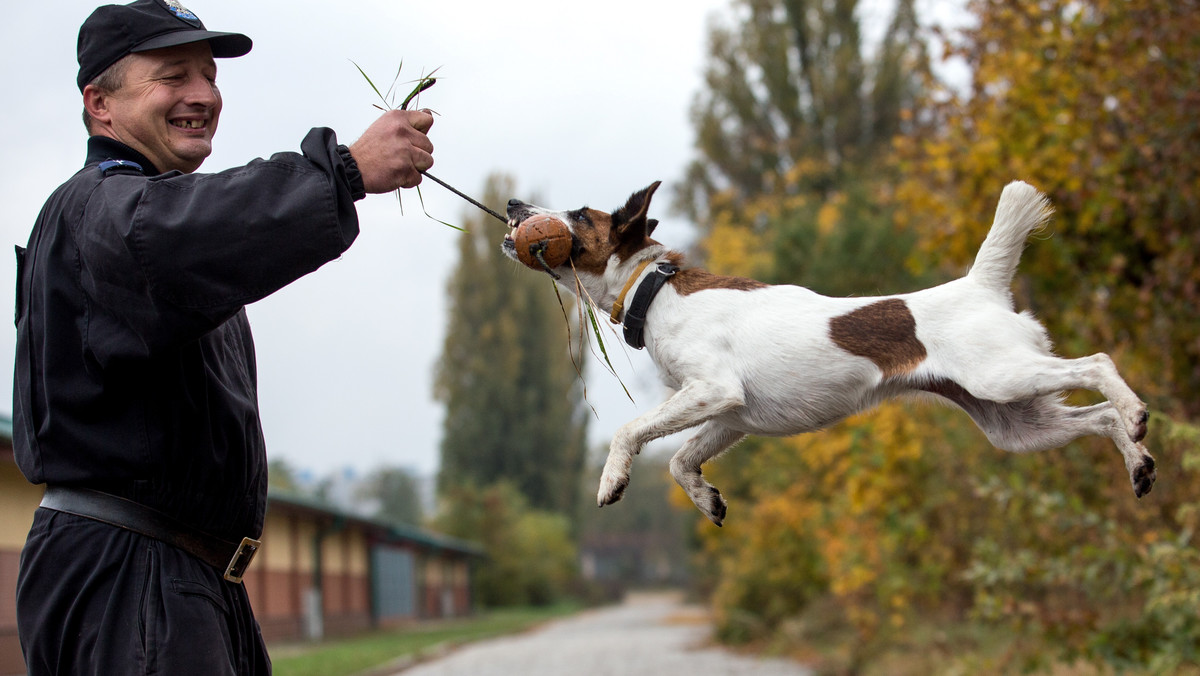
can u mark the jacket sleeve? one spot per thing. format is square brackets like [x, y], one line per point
[167, 259]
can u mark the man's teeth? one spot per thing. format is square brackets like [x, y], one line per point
[189, 124]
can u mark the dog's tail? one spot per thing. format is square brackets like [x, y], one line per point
[1022, 209]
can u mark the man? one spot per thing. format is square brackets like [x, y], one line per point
[135, 396]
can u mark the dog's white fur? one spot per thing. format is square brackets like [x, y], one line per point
[763, 359]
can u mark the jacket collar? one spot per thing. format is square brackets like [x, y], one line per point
[102, 148]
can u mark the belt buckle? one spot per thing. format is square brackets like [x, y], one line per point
[241, 558]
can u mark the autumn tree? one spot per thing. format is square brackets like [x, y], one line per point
[514, 410]
[793, 135]
[1095, 103]
[906, 514]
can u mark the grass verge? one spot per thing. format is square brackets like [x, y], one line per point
[374, 651]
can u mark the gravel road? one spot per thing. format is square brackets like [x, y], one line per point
[648, 635]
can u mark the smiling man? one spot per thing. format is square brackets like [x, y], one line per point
[135, 395]
[166, 107]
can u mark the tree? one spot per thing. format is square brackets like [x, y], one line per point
[1095, 103]
[906, 514]
[397, 493]
[531, 558]
[507, 375]
[281, 476]
[794, 131]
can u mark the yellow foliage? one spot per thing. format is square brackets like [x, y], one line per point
[1094, 103]
[904, 509]
[733, 249]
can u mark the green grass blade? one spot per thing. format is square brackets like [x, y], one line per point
[373, 87]
[421, 199]
[603, 351]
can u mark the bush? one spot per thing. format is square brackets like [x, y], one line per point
[531, 558]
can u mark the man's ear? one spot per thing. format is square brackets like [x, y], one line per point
[630, 220]
[95, 102]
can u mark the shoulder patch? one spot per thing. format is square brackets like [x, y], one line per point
[109, 167]
[884, 332]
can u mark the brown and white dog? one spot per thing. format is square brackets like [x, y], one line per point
[745, 357]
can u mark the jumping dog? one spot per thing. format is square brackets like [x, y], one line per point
[744, 357]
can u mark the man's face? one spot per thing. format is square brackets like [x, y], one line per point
[168, 105]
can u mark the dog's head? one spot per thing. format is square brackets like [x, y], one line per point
[600, 242]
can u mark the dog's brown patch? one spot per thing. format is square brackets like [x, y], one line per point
[592, 231]
[695, 279]
[884, 332]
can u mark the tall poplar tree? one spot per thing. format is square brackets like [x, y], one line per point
[514, 407]
[794, 130]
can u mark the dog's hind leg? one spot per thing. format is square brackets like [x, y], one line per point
[1055, 424]
[695, 403]
[1046, 374]
[1044, 422]
[709, 441]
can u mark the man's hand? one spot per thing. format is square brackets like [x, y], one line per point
[394, 150]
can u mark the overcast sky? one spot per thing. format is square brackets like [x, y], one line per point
[582, 103]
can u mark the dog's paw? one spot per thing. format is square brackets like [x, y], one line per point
[1141, 422]
[1136, 417]
[612, 488]
[1143, 477]
[714, 506]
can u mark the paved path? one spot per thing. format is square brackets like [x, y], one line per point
[648, 635]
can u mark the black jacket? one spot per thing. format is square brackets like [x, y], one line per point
[135, 369]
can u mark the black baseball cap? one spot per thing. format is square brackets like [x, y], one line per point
[113, 31]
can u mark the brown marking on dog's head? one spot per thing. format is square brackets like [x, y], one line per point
[884, 332]
[590, 229]
[696, 279]
[597, 235]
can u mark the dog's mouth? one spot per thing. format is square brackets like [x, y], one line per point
[509, 245]
[517, 213]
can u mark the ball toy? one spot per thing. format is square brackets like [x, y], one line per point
[545, 235]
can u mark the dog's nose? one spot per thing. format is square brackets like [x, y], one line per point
[514, 202]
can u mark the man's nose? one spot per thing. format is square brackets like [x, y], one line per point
[202, 90]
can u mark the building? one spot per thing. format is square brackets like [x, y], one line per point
[361, 573]
[320, 572]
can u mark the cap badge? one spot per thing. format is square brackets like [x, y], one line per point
[180, 11]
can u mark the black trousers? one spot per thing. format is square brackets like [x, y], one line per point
[98, 600]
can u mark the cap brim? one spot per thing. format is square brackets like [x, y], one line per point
[224, 45]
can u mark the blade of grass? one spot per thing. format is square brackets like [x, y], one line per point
[589, 303]
[577, 363]
[424, 83]
[421, 199]
[392, 89]
[373, 87]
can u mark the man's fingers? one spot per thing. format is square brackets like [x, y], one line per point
[394, 150]
[423, 162]
[421, 120]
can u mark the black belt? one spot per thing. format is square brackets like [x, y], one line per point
[223, 555]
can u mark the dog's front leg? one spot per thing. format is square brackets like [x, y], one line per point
[709, 441]
[695, 403]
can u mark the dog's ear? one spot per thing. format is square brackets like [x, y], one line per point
[630, 220]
